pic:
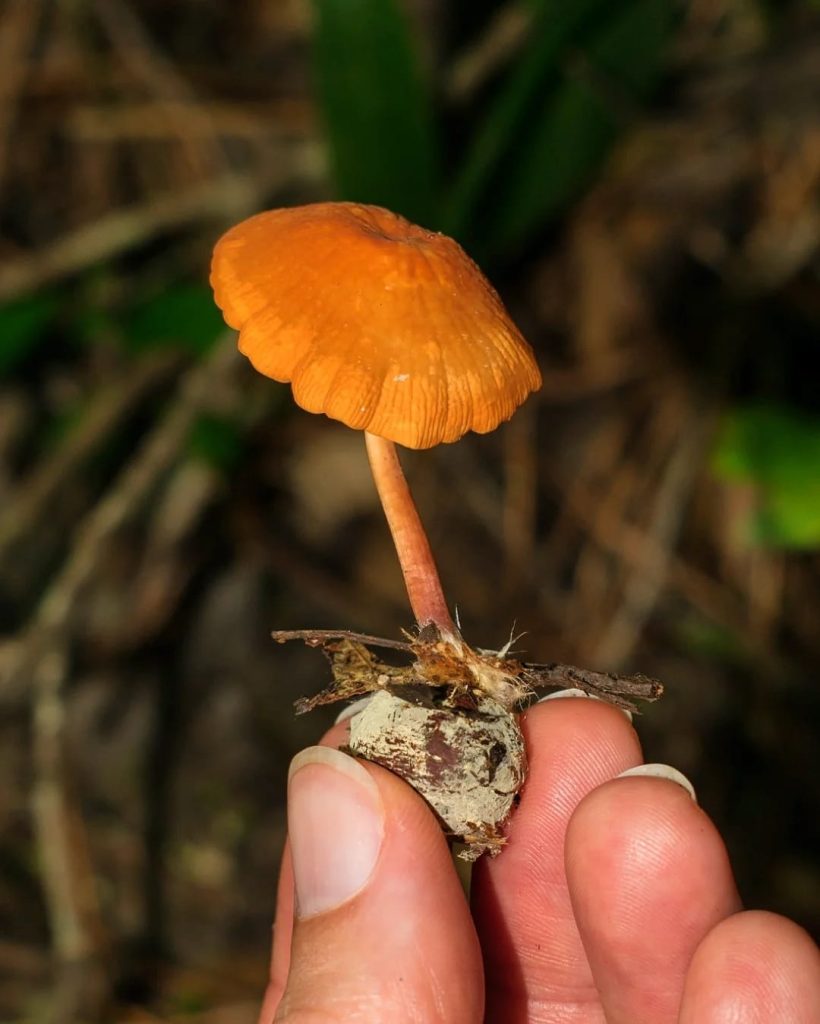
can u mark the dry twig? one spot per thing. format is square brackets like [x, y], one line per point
[227, 198]
[504, 35]
[26, 507]
[643, 586]
[18, 27]
[137, 50]
[41, 662]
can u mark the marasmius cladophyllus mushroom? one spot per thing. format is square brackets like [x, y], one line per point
[386, 326]
[393, 330]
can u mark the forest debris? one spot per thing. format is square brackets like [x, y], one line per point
[41, 665]
[226, 196]
[24, 511]
[447, 723]
[467, 674]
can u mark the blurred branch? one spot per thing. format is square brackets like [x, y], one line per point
[147, 120]
[634, 546]
[42, 661]
[26, 506]
[227, 198]
[519, 510]
[18, 27]
[502, 38]
[140, 54]
[15, 416]
[324, 588]
[77, 934]
[127, 495]
[645, 582]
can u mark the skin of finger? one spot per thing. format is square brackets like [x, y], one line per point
[535, 963]
[337, 736]
[753, 967]
[282, 935]
[649, 877]
[403, 949]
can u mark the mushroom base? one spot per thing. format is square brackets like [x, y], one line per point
[446, 722]
[468, 763]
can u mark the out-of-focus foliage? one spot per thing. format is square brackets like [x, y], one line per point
[553, 117]
[777, 451]
[376, 106]
[216, 440]
[546, 128]
[181, 316]
[22, 326]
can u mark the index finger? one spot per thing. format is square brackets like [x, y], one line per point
[535, 962]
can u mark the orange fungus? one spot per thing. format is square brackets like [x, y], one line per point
[374, 321]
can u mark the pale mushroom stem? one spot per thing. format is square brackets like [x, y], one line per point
[415, 557]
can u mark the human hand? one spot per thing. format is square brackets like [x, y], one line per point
[614, 900]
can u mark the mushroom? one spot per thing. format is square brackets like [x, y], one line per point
[386, 326]
[393, 330]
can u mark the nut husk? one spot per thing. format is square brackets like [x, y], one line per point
[468, 763]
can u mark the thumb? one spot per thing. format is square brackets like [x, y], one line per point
[382, 930]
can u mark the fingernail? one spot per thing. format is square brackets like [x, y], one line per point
[353, 709]
[335, 826]
[574, 692]
[661, 771]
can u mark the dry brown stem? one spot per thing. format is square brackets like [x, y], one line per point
[499, 42]
[229, 197]
[41, 664]
[161, 78]
[28, 504]
[124, 500]
[18, 25]
[643, 586]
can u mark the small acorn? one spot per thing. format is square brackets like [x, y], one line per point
[468, 764]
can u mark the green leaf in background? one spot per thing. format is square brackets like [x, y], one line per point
[184, 316]
[555, 25]
[777, 450]
[22, 326]
[556, 162]
[702, 638]
[561, 110]
[216, 440]
[375, 106]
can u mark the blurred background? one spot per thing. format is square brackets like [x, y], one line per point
[641, 181]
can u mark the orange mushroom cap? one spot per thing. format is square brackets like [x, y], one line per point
[375, 322]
